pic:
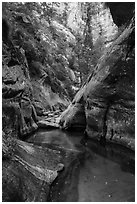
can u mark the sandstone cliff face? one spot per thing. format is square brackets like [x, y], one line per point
[35, 78]
[19, 115]
[35, 75]
[106, 100]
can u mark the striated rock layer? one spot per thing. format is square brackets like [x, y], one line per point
[28, 171]
[107, 99]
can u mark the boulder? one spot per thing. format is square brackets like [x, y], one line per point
[75, 118]
[28, 171]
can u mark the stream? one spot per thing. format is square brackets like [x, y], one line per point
[102, 174]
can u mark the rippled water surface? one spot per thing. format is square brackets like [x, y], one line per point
[103, 174]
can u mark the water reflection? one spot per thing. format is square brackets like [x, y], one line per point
[99, 175]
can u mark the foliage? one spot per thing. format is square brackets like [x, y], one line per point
[59, 35]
